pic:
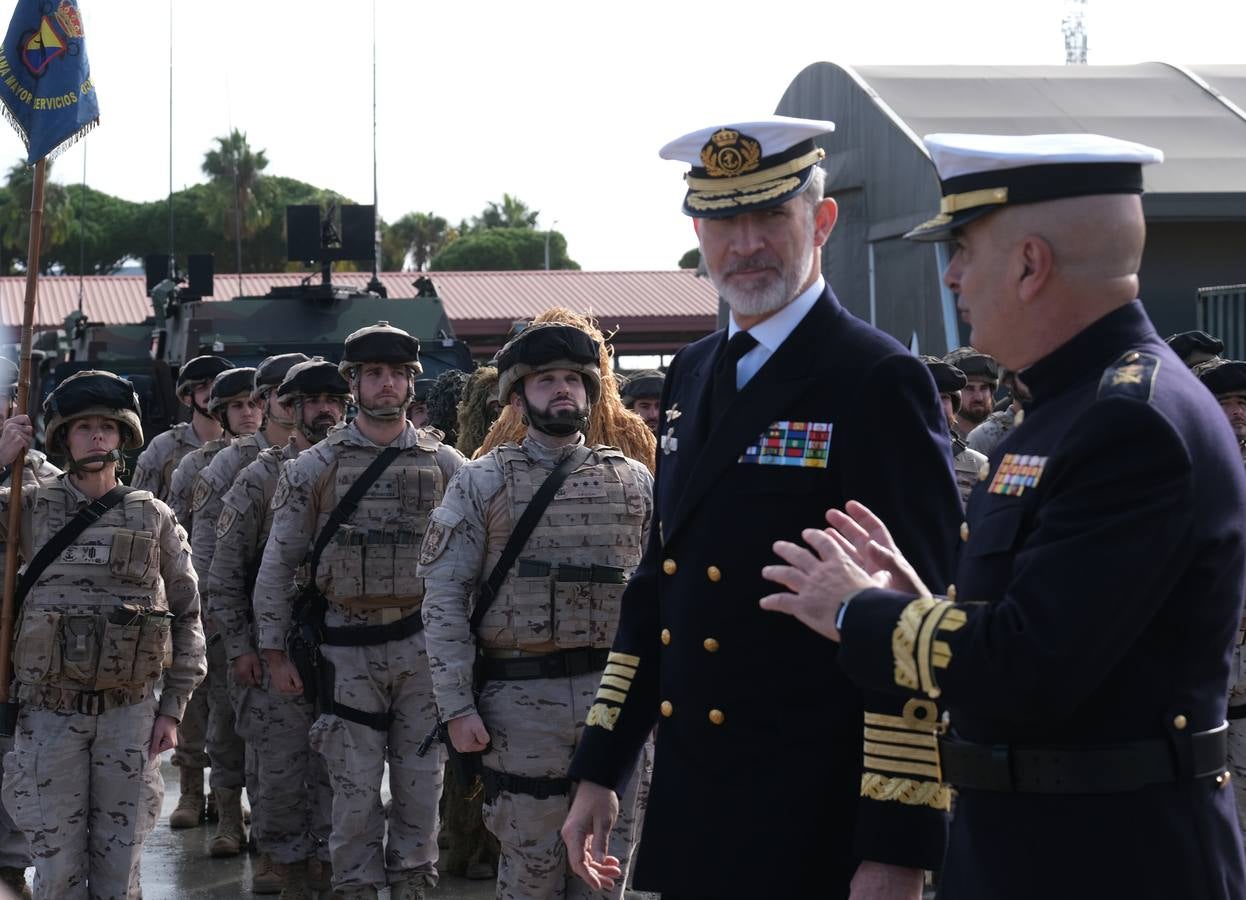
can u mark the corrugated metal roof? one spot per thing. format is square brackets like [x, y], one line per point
[120, 299]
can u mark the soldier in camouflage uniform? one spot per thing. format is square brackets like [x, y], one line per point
[380, 704]
[643, 395]
[1007, 415]
[290, 813]
[1195, 347]
[154, 472]
[230, 758]
[1227, 380]
[116, 610]
[978, 395]
[230, 402]
[547, 635]
[968, 464]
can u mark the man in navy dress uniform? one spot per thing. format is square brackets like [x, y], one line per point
[1084, 664]
[765, 755]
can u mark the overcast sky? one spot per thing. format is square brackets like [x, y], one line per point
[563, 104]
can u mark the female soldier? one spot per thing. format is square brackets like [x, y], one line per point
[103, 615]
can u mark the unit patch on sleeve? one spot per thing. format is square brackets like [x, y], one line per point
[1016, 473]
[805, 444]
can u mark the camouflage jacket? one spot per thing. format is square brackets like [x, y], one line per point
[210, 486]
[986, 436]
[242, 529]
[182, 485]
[301, 504]
[177, 581]
[154, 469]
[470, 528]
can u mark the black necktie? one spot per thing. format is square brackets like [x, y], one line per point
[724, 390]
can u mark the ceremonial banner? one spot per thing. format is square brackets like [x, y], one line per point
[45, 79]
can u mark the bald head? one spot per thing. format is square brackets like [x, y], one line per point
[1033, 275]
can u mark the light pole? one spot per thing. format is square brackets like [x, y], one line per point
[547, 234]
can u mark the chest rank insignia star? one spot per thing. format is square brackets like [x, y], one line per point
[670, 443]
[673, 413]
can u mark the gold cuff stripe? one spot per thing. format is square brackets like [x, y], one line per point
[753, 179]
[616, 682]
[954, 203]
[702, 201]
[878, 764]
[605, 693]
[621, 671]
[904, 639]
[901, 737]
[926, 723]
[906, 791]
[932, 654]
[623, 659]
[918, 754]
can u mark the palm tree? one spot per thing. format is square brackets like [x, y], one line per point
[510, 213]
[58, 215]
[236, 169]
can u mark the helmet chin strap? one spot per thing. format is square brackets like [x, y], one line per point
[386, 413]
[554, 426]
[313, 435]
[270, 413]
[76, 466]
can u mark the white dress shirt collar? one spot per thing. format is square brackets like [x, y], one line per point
[774, 331]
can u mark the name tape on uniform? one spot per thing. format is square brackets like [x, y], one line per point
[805, 444]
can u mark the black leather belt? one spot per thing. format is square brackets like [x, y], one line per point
[560, 664]
[371, 635]
[1077, 770]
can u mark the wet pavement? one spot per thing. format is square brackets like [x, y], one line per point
[176, 863]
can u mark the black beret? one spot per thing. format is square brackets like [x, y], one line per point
[90, 389]
[1194, 346]
[1224, 377]
[313, 377]
[973, 363]
[643, 384]
[947, 377]
[547, 342]
[201, 369]
[272, 371]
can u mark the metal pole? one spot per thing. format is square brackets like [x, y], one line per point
[8, 710]
[172, 263]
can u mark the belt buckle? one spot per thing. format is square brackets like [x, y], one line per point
[390, 615]
[89, 703]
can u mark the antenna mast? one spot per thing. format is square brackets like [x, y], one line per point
[1074, 27]
[375, 284]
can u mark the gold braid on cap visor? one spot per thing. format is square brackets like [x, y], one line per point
[754, 179]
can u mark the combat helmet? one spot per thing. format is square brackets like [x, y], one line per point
[199, 371]
[311, 378]
[642, 384]
[540, 348]
[268, 376]
[93, 393]
[230, 385]
[948, 379]
[974, 364]
[1195, 347]
[382, 343]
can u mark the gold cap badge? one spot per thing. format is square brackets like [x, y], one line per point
[729, 153]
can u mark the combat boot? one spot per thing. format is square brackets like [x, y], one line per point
[231, 834]
[296, 887]
[209, 812]
[14, 879]
[267, 877]
[189, 810]
[410, 888]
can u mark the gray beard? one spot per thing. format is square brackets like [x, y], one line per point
[775, 295]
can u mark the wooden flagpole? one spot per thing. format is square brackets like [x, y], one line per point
[8, 709]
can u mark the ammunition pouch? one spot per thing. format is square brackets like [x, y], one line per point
[541, 788]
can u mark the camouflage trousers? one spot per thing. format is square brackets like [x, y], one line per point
[14, 848]
[86, 795]
[1237, 742]
[534, 727]
[391, 677]
[226, 751]
[291, 797]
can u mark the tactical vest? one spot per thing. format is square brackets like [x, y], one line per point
[566, 588]
[180, 448]
[370, 563]
[95, 629]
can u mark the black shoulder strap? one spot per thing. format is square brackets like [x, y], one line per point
[523, 530]
[348, 504]
[83, 520]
